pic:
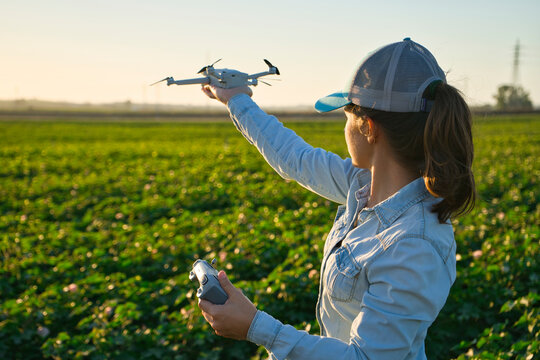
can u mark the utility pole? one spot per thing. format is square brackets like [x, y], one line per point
[515, 74]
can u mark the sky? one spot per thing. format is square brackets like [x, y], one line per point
[110, 50]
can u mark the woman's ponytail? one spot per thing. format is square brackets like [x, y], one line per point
[448, 152]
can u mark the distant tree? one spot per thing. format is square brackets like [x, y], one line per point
[511, 97]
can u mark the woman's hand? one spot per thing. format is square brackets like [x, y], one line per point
[224, 95]
[233, 318]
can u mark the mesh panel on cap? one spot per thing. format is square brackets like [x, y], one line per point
[411, 71]
[372, 73]
[429, 56]
[430, 59]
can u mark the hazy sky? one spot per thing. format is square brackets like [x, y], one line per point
[105, 51]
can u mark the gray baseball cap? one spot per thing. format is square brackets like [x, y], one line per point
[392, 78]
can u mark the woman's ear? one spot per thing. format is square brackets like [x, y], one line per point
[372, 131]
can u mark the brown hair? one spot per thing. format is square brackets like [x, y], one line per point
[437, 146]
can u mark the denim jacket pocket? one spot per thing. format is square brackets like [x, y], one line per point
[342, 276]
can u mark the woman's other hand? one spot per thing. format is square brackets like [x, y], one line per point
[224, 95]
[233, 318]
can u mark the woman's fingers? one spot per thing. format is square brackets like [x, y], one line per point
[206, 306]
[207, 90]
[208, 318]
[224, 95]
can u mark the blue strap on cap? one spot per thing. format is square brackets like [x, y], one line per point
[426, 105]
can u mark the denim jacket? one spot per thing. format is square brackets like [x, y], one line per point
[386, 271]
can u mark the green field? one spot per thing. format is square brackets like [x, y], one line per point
[100, 223]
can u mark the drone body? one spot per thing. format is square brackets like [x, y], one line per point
[224, 78]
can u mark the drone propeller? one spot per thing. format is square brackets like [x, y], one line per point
[264, 82]
[167, 78]
[272, 66]
[207, 66]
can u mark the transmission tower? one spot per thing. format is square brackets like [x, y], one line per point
[515, 74]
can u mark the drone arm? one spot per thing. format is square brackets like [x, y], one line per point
[204, 80]
[258, 75]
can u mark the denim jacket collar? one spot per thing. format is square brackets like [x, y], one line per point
[390, 209]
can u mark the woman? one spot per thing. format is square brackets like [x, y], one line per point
[389, 260]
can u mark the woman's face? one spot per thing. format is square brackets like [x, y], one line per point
[357, 143]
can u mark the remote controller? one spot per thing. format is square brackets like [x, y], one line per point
[209, 288]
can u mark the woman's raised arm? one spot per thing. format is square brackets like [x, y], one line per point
[316, 169]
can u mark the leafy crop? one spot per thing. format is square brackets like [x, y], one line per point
[100, 223]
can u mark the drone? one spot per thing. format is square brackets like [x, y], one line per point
[224, 78]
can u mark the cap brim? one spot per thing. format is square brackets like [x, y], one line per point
[332, 102]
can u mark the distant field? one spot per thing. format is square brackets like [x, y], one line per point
[100, 223]
[212, 116]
